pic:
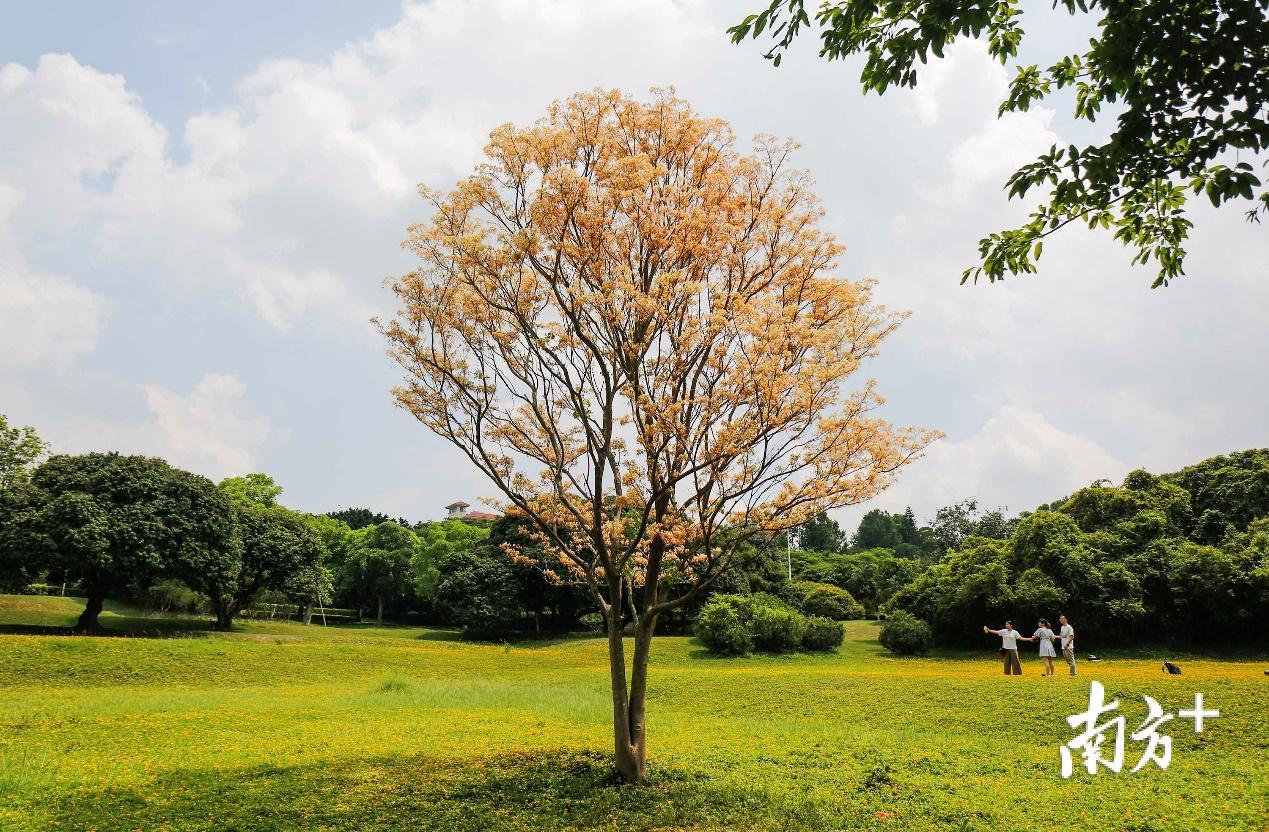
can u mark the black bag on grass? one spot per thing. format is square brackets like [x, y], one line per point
[1172, 668]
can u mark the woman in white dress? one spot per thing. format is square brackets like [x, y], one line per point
[1046, 637]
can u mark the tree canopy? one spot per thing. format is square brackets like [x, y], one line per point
[360, 518]
[20, 449]
[633, 330]
[107, 520]
[273, 548]
[820, 534]
[1130, 561]
[260, 489]
[1189, 82]
[377, 568]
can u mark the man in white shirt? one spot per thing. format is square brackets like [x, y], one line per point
[1009, 647]
[1067, 636]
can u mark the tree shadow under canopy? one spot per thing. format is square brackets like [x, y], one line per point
[558, 789]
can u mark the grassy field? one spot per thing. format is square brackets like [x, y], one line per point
[284, 727]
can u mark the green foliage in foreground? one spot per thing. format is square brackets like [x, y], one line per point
[1186, 80]
[280, 727]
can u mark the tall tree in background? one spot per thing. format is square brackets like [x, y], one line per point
[20, 450]
[820, 534]
[632, 330]
[436, 542]
[1189, 80]
[377, 569]
[361, 518]
[274, 547]
[876, 531]
[260, 489]
[953, 524]
[905, 525]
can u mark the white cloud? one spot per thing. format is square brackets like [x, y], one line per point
[210, 430]
[1016, 459]
[287, 202]
[966, 84]
[92, 167]
[45, 320]
[1002, 146]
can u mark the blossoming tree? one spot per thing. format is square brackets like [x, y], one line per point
[632, 329]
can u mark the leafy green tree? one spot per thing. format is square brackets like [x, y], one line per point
[106, 520]
[314, 583]
[820, 534]
[960, 593]
[377, 569]
[874, 576]
[539, 584]
[275, 549]
[953, 524]
[876, 531]
[1189, 81]
[1133, 561]
[362, 518]
[477, 589]
[275, 545]
[827, 601]
[905, 525]
[1231, 491]
[20, 450]
[260, 489]
[337, 537]
[20, 545]
[437, 541]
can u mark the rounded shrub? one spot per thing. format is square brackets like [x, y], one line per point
[905, 635]
[172, 596]
[593, 622]
[722, 629]
[823, 634]
[829, 601]
[777, 630]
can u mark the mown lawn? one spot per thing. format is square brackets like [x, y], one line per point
[284, 727]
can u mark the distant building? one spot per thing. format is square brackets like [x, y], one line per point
[458, 511]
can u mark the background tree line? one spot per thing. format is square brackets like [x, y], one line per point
[137, 529]
[1180, 556]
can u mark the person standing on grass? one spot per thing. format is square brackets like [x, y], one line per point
[1067, 634]
[1008, 647]
[1046, 637]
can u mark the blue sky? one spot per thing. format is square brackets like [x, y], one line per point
[199, 203]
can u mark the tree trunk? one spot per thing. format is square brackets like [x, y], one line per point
[379, 614]
[308, 613]
[225, 612]
[88, 618]
[630, 748]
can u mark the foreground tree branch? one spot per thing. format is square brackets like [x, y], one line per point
[631, 329]
[1187, 83]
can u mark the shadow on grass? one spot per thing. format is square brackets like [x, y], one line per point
[121, 628]
[440, 635]
[519, 639]
[545, 790]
